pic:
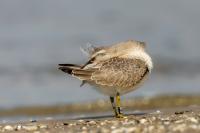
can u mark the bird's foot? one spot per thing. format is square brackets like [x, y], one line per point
[120, 115]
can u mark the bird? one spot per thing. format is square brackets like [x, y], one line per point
[114, 70]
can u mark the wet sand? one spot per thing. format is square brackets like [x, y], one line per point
[179, 114]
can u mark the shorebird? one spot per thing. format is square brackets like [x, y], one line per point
[114, 70]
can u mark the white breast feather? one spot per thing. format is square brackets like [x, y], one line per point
[140, 54]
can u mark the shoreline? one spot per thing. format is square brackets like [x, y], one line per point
[99, 106]
[159, 114]
[184, 120]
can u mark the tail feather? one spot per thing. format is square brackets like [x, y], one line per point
[76, 71]
[67, 68]
[69, 65]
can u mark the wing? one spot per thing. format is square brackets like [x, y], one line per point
[120, 72]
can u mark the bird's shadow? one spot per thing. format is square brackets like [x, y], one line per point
[109, 116]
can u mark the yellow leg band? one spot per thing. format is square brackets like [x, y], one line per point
[118, 101]
[118, 106]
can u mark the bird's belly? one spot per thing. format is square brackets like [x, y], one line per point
[110, 91]
[113, 90]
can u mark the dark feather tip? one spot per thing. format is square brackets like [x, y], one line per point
[66, 70]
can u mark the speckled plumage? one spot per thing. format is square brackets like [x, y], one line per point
[119, 73]
[114, 69]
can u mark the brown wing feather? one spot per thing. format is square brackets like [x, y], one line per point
[120, 72]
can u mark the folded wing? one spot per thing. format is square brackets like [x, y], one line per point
[120, 72]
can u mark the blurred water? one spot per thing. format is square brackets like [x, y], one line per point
[37, 35]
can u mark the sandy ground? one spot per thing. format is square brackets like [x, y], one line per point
[177, 118]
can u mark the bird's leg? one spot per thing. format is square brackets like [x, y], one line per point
[118, 104]
[112, 100]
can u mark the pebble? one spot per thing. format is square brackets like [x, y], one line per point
[42, 126]
[134, 122]
[179, 128]
[179, 121]
[8, 128]
[119, 130]
[158, 111]
[80, 121]
[151, 128]
[36, 132]
[112, 127]
[192, 119]
[142, 121]
[104, 130]
[72, 124]
[84, 128]
[102, 123]
[178, 113]
[30, 127]
[92, 122]
[165, 119]
[166, 122]
[65, 123]
[153, 118]
[131, 129]
[33, 120]
[84, 132]
[19, 127]
[193, 126]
